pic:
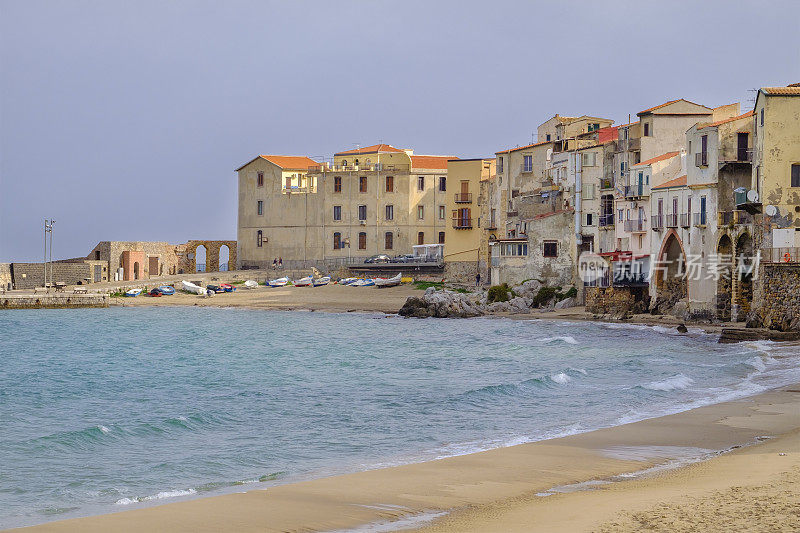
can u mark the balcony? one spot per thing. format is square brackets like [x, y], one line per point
[606, 221]
[462, 223]
[637, 191]
[701, 159]
[657, 222]
[781, 255]
[672, 220]
[725, 218]
[633, 144]
[700, 219]
[685, 220]
[636, 226]
[463, 197]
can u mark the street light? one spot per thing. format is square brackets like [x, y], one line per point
[48, 228]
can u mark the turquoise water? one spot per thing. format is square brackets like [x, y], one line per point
[111, 409]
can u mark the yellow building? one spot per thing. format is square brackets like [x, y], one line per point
[776, 171]
[466, 237]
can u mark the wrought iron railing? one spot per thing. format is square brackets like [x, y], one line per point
[463, 197]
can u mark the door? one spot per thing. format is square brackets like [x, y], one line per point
[464, 191]
[674, 212]
[153, 267]
[741, 146]
[98, 273]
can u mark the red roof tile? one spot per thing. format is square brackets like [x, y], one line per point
[677, 182]
[656, 159]
[717, 123]
[374, 149]
[607, 134]
[431, 161]
[666, 104]
[508, 151]
[287, 162]
[791, 90]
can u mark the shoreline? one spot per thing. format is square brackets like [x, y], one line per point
[466, 489]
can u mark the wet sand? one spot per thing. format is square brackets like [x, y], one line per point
[497, 490]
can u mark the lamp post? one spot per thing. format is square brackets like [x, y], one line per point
[48, 228]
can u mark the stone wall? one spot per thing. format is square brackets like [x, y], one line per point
[616, 300]
[464, 271]
[53, 301]
[30, 275]
[776, 298]
[6, 281]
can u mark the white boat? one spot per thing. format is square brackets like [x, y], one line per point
[304, 282]
[133, 292]
[390, 282]
[251, 284]
[191, 287]
[324, 280]
[368, 282]
[279, 282]
[347, 281]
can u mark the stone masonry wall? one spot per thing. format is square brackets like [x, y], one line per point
[30, 275]
[5, 276]
[776, 298]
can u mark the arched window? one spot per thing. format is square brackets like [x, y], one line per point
[259, 238]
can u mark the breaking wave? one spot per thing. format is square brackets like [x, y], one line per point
[678, 381]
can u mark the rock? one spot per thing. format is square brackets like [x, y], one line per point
[518, 305]
[682, 328]
[430, 290]
[565, 303]
[440, 304]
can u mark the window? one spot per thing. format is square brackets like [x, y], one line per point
[588, 219]
[500, 163]
[337, 184]
[344, 162]
[548, 137]
[337, 241]
[362, 212]
[420, 212]
[388, 240]
[527, 163]
[647, 129]
[337, 212]
[550, 248]
[441, 237]
[288, 182]
[622, 167]
[796, 175]
[689, 206]
[421, 183]
[362, 241]
[619, 212]
[97, 255]
[421, 237]
[260, 179]
[442, 183]
[259, 238]
[389, 183]
[441, 212]
[362, 184]
[260, 207]
[390, 212]
[761, 116]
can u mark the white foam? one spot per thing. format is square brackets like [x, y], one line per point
[160, 496]
[757, 363]
[678, 381]
[103, 429]
[414, 521]
[566, 338]
[561, 378]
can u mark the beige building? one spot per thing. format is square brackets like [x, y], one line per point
[373, 200]
[466, 251]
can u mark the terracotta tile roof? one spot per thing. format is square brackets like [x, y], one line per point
[431, 161]
[608, 134]
[792, 90]
[656, 159]
[717, 123]
[374, 149]
[289, 162]
[677, 182]
[292, 162]
[508, 151]
[666, 104]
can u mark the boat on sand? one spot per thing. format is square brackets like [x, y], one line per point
[318, 282]
[188, 286]
[389, 282]
[250, 284]
[279, 282]
[303, 282]
[132, 293]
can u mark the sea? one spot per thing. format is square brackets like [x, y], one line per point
[103, 410]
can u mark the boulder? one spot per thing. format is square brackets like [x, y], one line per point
[566, 302]
[682, 328]
[440, 304]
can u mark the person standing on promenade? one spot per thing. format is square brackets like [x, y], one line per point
[478, 279]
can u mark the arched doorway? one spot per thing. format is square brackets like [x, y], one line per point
[743, 278]
[200, 258]
[224, 257]
[671, 273]
[724, 279]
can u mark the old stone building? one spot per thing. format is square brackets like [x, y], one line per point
[373, 200]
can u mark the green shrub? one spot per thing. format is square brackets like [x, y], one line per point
[499, 293]
[571, 293]
[544, 295]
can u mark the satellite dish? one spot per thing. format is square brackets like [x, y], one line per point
[771, 210]
[752, 196]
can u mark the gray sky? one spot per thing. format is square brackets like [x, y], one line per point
[125, 120]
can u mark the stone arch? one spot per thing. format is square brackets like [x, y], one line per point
[198, 260]
[742, 284]
[724, 276]
[671, 285]
[224, 257]
[212, 254]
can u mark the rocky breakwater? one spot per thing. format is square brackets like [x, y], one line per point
[501, 299]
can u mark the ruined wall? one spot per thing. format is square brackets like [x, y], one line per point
[775, 297]
[6, 282]
[30, 275]
[615, 300]
[53, 301]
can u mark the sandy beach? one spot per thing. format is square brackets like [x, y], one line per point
[752, 487]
